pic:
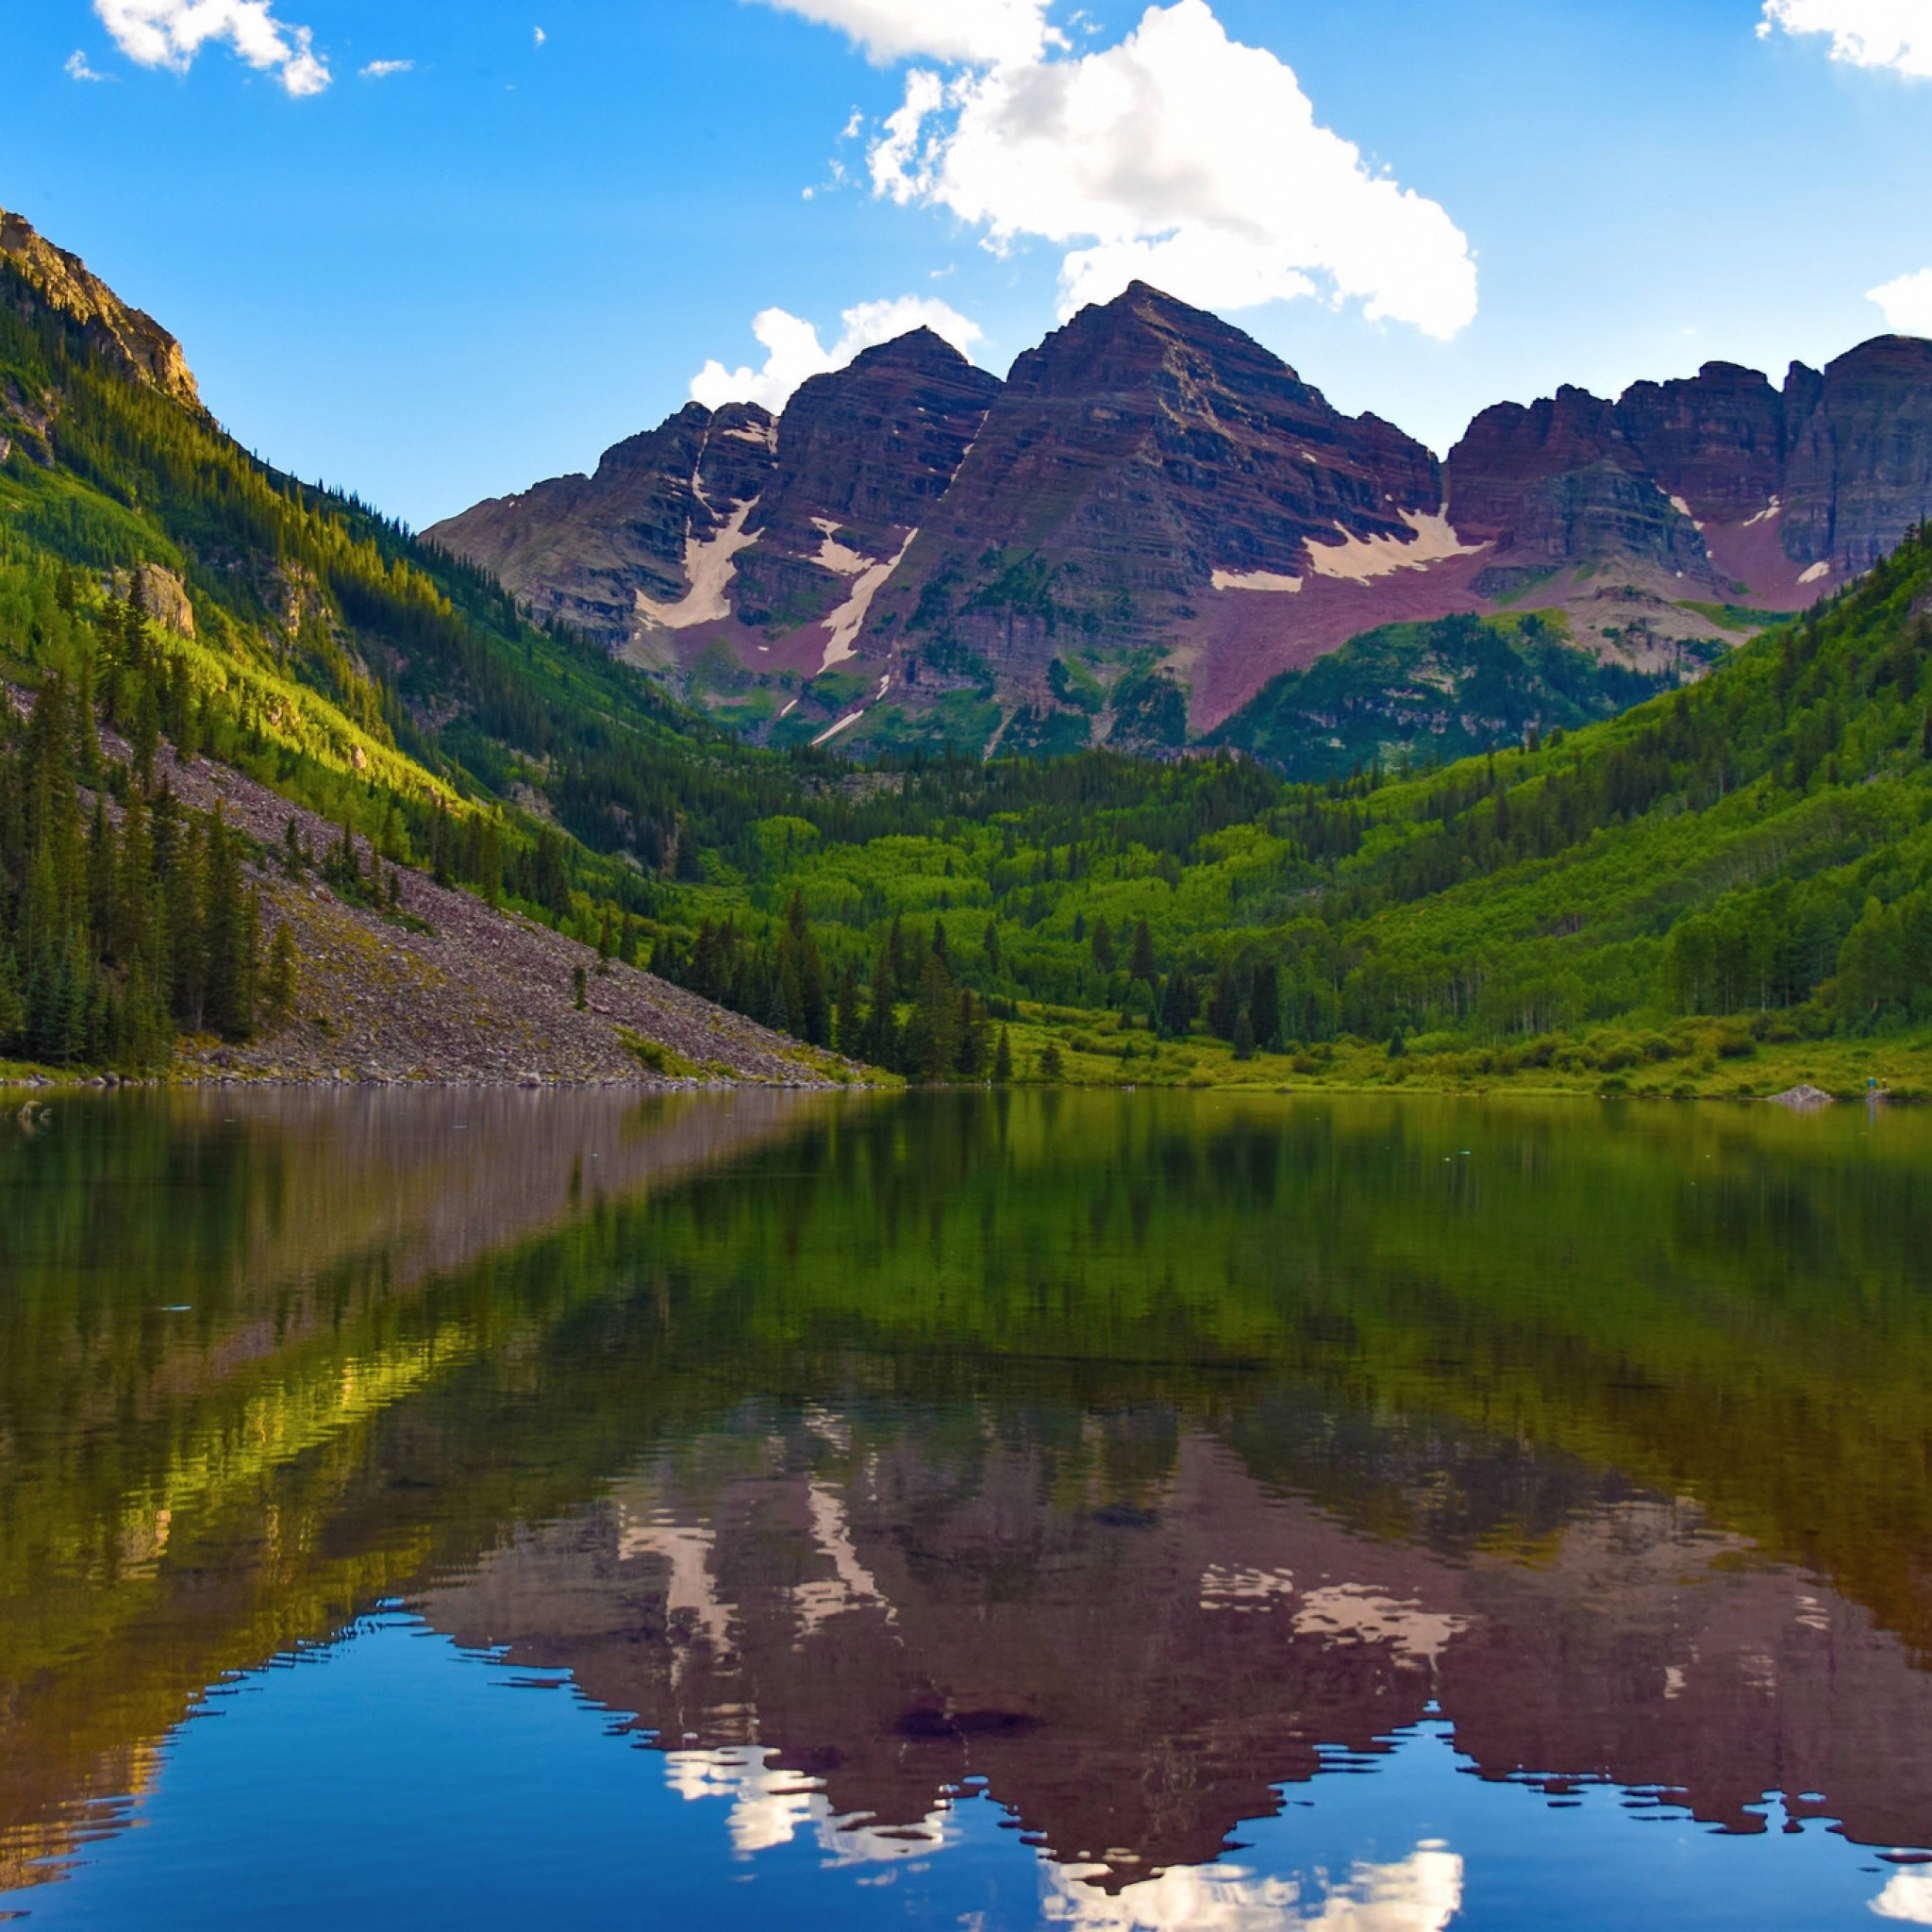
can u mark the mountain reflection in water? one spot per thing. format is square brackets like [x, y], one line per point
[1137, 1464]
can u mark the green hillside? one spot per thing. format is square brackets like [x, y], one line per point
[1435, 692]
[1722, 871]
[1751, 852]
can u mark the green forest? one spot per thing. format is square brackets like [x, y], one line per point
[1722, 869]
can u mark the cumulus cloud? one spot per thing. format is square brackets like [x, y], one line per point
[1420, 1893]
[1906, 302]
[1864, 33]
[793, 352]
[381, 70]
[1181, 157]
[170, 33]
[78, 68]
[977, 32]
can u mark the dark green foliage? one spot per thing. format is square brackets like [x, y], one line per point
[1150, 712]
[112, 935]
[1433, 693]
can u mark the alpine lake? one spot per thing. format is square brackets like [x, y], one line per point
[979, 1510]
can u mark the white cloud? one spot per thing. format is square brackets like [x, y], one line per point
[1907, 1897]
[1180, 158]
[794, 353]
[1906, 302]
[540, 35]
[78, 68]
[1420, 1893]
[170, 33]
[381, 70]
[978, 32]
[1864, 33]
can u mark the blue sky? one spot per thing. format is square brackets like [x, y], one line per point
[445, 280]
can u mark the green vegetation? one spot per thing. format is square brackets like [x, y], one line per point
[1430, 693]
[1735, 873]
[114, 929]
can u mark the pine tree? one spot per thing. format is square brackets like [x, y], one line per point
[1003, 1061]
[227, 942]
[1264, 1006]
[850, 1025]
[933, 1041]
[882, 1023]
[1180, 1001]
[1050, 1065]
[1224, 1006]
[802, 970]
[12, 1006]
[280, 984]
[973, 1055]
[1142, 965]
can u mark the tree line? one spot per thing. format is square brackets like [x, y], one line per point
[124, 917]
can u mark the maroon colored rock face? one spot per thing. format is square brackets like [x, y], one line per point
[1152, 481]
[585, 548]
[1841, 463]
[1716, 441]
[864, 454]
[1138, 451]
[1859, 471]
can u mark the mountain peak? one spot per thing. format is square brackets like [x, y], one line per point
[132, 339]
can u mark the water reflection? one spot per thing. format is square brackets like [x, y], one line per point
[1142, 1463]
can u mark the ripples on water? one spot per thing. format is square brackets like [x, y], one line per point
[1145, 1511]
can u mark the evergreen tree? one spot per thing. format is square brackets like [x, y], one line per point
[933, 1033]
[1180, 1002]
[12, 1006]
[280, 982]
[1264, 1006]
[227, 942]
[802, 970]
[850, 1022]
[1142, 965]
[882, 1022]
[1245, 1036]
[1224, 1006]
[1003, 1061]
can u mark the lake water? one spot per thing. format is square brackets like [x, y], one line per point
[1108, 1511]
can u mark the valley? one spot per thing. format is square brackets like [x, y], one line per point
[1461, 844]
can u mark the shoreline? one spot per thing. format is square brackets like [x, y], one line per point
[36, 1081]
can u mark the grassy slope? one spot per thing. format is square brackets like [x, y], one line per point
[1477, 909]
[1676, 886]
[1443, 690]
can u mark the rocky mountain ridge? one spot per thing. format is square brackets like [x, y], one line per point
[135, 340]
[1154, 516]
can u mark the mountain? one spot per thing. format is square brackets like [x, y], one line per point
[1157, 517]
[240, 719]
[730, 529]
[1739, 862]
